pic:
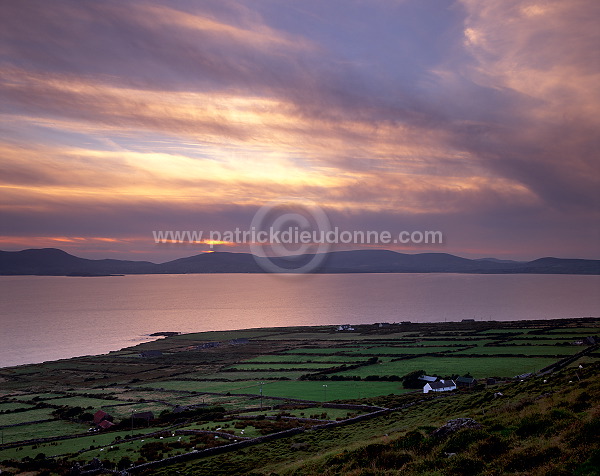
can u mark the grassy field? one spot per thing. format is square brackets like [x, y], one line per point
[521, 434]
[333, 391]
[284, 358]
[478, 367]
[239, 387]
[22, 417]
[321, 350]
[336, 336]
[113, 453]
[42, 430]
[71, 445]
[125, 411]
[290, 366]
[39, 396]
[337, 390]
[9, 406]
[84, 402]
[271, 354]
[523, 350]
[257, 374]
[370, 351]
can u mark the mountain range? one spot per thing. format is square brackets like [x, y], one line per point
[55, 262]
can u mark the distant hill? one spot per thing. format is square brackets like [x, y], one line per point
[55, 262]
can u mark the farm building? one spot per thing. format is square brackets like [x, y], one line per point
[143, 416]
[441, 386]
[427, 378]
[100, 416]
[465, 382]
[345, 327]
[105, 424]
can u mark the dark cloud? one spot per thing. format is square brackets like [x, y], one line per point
[476, 117]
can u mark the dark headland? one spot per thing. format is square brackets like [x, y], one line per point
[55, 262]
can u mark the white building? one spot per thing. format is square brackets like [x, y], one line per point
[441, 386]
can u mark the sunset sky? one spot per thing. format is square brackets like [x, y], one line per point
[477, 118]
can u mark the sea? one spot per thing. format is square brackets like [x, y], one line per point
[45, 318]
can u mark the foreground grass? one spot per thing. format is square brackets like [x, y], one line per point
[535, 428]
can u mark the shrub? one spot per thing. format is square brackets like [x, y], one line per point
[533, 425]
[464, 466]
[462, 439]
[409, 441]
[392, 459]
[491, 447]
[529, 458]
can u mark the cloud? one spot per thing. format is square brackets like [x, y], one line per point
[138, 115]
[542, 53]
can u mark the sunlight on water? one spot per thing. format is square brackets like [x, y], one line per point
[47, 318]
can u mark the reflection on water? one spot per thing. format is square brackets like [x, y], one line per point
[47, 318]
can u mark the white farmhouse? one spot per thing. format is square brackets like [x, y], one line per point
[441, 386]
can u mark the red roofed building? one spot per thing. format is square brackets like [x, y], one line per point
[100, 416]
[105, 424]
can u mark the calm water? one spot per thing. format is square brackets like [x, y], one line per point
[47, 318]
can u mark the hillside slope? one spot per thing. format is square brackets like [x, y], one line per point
[534, 428]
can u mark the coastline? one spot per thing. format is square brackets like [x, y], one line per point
[154, 339]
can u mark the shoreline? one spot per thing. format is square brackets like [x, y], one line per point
[166, 336]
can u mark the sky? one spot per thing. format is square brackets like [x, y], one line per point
[477, 119]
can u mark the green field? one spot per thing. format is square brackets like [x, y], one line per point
[522, 350]
[222, 336]
[292, 389]
[40, 396]
[290, 366]
[336, 336]
[71, 445]
[304, 358]
[478, 367]
[200, 386]
[445, 342]
[13, 406]
[42, 430]
[330, 413]
[370, 351]
[124, 411]
[249, 431]
[582, 331]
[83, 402]
[22, 417]
[320, 350]
[506, 332]
[116, 451]
[247, 374]
[334, 390]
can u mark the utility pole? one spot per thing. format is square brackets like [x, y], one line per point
[261, 395]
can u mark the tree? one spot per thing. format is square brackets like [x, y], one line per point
[411, 379]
